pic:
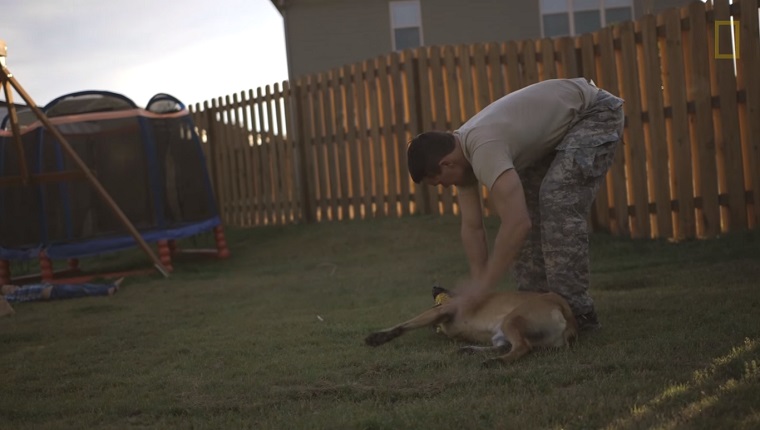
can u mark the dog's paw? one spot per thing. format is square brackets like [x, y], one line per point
[375, 339]
[380, 337]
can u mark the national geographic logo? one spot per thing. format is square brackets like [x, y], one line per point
[728, 37]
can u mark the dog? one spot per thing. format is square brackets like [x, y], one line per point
[513, 322]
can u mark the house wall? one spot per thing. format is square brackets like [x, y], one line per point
[642, 7]
[450, 22]
[324, 34]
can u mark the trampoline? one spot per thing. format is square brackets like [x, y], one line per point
[149, 160]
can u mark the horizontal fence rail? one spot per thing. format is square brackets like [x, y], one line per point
[332, 145]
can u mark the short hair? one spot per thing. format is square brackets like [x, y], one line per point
[425, 152]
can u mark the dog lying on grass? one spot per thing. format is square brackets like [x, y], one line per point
[514, 322]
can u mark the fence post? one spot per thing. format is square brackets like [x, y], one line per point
[307, 211]
[212, 154]
[421, 191]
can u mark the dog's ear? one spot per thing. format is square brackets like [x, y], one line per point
[437, 289]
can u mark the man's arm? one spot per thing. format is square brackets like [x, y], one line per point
[509, 201]
[472, 230]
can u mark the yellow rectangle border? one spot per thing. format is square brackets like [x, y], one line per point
[718, 55]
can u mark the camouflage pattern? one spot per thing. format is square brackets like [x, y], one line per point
[559, 191]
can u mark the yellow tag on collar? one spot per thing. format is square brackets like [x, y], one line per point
[441, 298]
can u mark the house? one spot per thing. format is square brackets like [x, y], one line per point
[323, 34]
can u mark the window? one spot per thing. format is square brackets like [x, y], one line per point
[573, 17]
[406, 24]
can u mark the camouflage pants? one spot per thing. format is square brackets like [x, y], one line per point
[559, 192]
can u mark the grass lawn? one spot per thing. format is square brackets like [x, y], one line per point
[273, 339]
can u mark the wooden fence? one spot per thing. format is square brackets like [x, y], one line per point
[332, 145]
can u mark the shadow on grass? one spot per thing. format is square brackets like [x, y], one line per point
[716, 390]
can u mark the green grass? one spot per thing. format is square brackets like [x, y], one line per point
[273, 339]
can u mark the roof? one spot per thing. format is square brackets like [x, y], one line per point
[279, 4]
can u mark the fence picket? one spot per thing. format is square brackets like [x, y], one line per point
[466, 84]
[329, 143]
[530, 62]
[341, 144]
[353, 160]
[548, 64]
[444, 200]
[677, 124]
[378, 190]
[390, 164]
[727, 132]
[221, 152]
[635, 152]
[703, 141]
[616, 179]
[262, 153]
[287, 175]
[482, 95]
[748, 69]
[413, 94]
[240, 180]
[496, 77]
[568, 58]
[600, 215]
[364, 153]
[514, 80]
[655, 136]
[275, 159]
[400, 126]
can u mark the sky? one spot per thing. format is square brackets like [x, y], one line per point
[195, 50]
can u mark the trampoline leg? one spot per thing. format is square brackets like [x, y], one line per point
[173, 246]
[165, 254]
[46, 267]
[73, 264]
[5, 272]
[221, 243]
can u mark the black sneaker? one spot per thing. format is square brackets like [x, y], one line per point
[588, 321]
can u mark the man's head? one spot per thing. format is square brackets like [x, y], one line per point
[435, 158]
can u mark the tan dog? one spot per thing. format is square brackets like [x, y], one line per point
[524, 320]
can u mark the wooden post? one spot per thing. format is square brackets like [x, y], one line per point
[73, 264]
[307, 210]
[46, 267]
[165, 254]
[5, 272]
[212, 153]
[221, 242]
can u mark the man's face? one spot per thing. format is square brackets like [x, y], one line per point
[451, 174]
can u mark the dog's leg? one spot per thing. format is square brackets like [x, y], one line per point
[432, 316]
[513, 329]
[570, 333]
[499, 344]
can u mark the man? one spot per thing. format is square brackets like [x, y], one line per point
[542, 152]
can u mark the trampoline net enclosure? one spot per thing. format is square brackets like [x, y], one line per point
[149, 160]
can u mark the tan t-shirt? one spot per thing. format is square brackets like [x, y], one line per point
[523, 126]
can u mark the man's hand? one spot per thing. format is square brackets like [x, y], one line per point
[468, 295]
